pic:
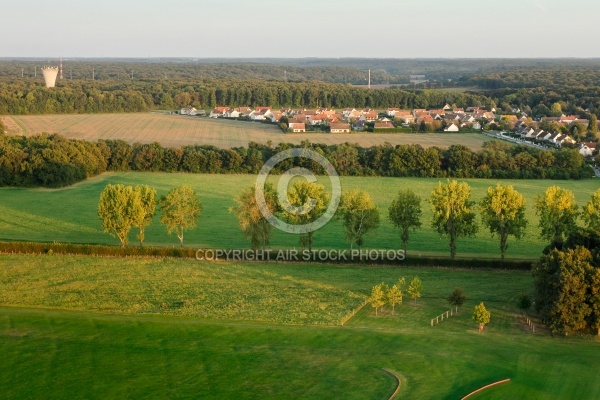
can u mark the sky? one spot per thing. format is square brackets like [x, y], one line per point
[298, 29]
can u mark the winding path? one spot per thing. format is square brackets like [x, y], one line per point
[397, 377]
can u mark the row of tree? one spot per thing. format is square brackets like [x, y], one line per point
[502, 212]
[54, 161]
[26, 97]
[122, 208]
[383, 294]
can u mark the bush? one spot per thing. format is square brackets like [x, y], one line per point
[524, 302]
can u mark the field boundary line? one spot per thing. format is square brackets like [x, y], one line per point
[24, 130]
[397, 377]
[351, 315]
[485, 388]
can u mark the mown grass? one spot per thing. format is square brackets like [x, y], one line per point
[88, 354]
[69, 215]
[177, 131]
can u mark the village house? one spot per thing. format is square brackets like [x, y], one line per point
[587, 149]
[384, 125]
[188, 111]
[218, 112]
[425, 118]
[369, 116]
[339, 127]
[452, 128]
[297, 127]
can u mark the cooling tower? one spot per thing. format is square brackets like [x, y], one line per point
[50, 74]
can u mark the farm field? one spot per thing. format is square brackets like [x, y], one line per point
[69, 215]
[177, 131]
[69, 328]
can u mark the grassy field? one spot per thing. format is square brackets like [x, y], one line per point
[176, 131]
[51, 350]
[69, 215]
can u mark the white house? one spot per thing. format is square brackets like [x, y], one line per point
[188, 111]
[587, 149]
[452, 128]
[232, 113]
[339, 128]
[216, 113]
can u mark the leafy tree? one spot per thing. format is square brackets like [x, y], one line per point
[452, 212]
[594, 298]
[180, 210]
[591, 212]
[481, 316]
[561, 289]
[457, 298]
[405, 214]
[394, 296]
[557, 210]
[359, 214]
[117, 210]
[414, 288]
[556, 110]
[252, 223]
[145, 208]
[593, 127]
[378, 297]
[503, 212]
[302, 194]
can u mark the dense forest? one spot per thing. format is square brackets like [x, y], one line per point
[537, 87]
[54, 161]
[339, 70]
[28, 97]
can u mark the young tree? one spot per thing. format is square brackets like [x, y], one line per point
[117, 210]
[145, 208]
[252, 223]
[312, 200]
[405, 214]
[394, 296]
[378, 296]
[415, 288]
[180, 210]
[360, 215]
[452, 212]
[503, 212]
[591, 212]
[557, 210]
[457, 298]
[481, 316]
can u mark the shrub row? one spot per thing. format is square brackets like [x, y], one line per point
[190, 253]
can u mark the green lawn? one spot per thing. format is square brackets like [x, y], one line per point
[62, 346]
[69, 215]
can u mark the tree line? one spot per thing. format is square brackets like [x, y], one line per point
[54, 161]
[26, 97]
[502, 212]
